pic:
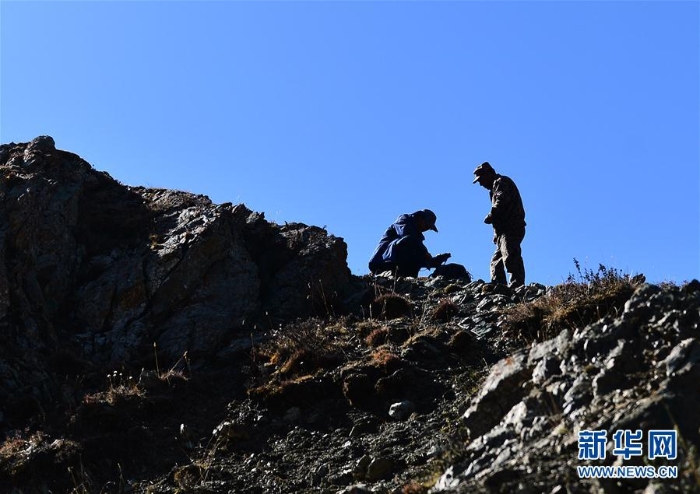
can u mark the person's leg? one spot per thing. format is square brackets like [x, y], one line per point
[408, 270]
[383, 267]
[513, 259]
[497, 271]
[409, 255]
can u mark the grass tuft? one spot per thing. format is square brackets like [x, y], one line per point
[582, 299]
[385, 358]
[377, 337]
[445, 311]
[303, 348]
[391, 306]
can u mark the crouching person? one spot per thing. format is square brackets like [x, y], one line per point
[401, 248]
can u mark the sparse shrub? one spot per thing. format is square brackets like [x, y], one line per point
[364, 328]
[15, 445]
[414, 488]
[377, 337]
[302, 391]
[385, 358]
[582, 299]
[302, 361]
[303, 348]
[445, 311]
[24, 453]
[186, 477]
[461, 341]
[121, 386]
[391, 306]
[11, 446]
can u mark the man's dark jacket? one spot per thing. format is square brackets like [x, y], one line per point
[401, 247]
[507, 212]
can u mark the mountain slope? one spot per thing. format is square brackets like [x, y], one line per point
[155, 342]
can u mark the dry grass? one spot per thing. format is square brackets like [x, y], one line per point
[12, 446]
[15, 449]
[19, 450]
[304, 348]
[581, 300]
[391, 306]
[414, 488]
[445, 311]
[377, 337]
[121, 387]
[385, 358]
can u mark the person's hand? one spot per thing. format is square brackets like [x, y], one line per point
[488, 219]
[438, 260]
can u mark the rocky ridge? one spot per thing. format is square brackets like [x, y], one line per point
[109, 271]
[155, 342]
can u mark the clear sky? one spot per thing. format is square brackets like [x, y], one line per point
[347, 114]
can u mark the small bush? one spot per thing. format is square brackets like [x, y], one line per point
[15, 445]
[391, 306]
[385, 358]
[377, 337]
[121, 387]
[304, 347]
[581, 300]
[445, 311]
[414, 488]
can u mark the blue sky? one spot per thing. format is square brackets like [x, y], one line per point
[347, 114]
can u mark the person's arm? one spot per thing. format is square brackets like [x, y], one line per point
[435, 261]
[501, 201]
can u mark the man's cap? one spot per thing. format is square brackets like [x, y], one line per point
[485, 167]
[429, 218]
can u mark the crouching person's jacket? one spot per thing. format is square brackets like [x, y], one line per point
[400, 248]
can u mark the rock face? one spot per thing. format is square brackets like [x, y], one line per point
[104, 272]
[637, 371]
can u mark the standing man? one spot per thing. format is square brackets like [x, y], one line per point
[401, 248]
[507, 216]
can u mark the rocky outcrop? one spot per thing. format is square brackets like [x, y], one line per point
[93, 271]
[637, 371]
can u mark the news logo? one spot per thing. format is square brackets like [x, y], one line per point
[663, 444]
[627, 444]
[591, 445]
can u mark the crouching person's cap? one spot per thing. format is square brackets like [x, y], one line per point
[429, 217]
